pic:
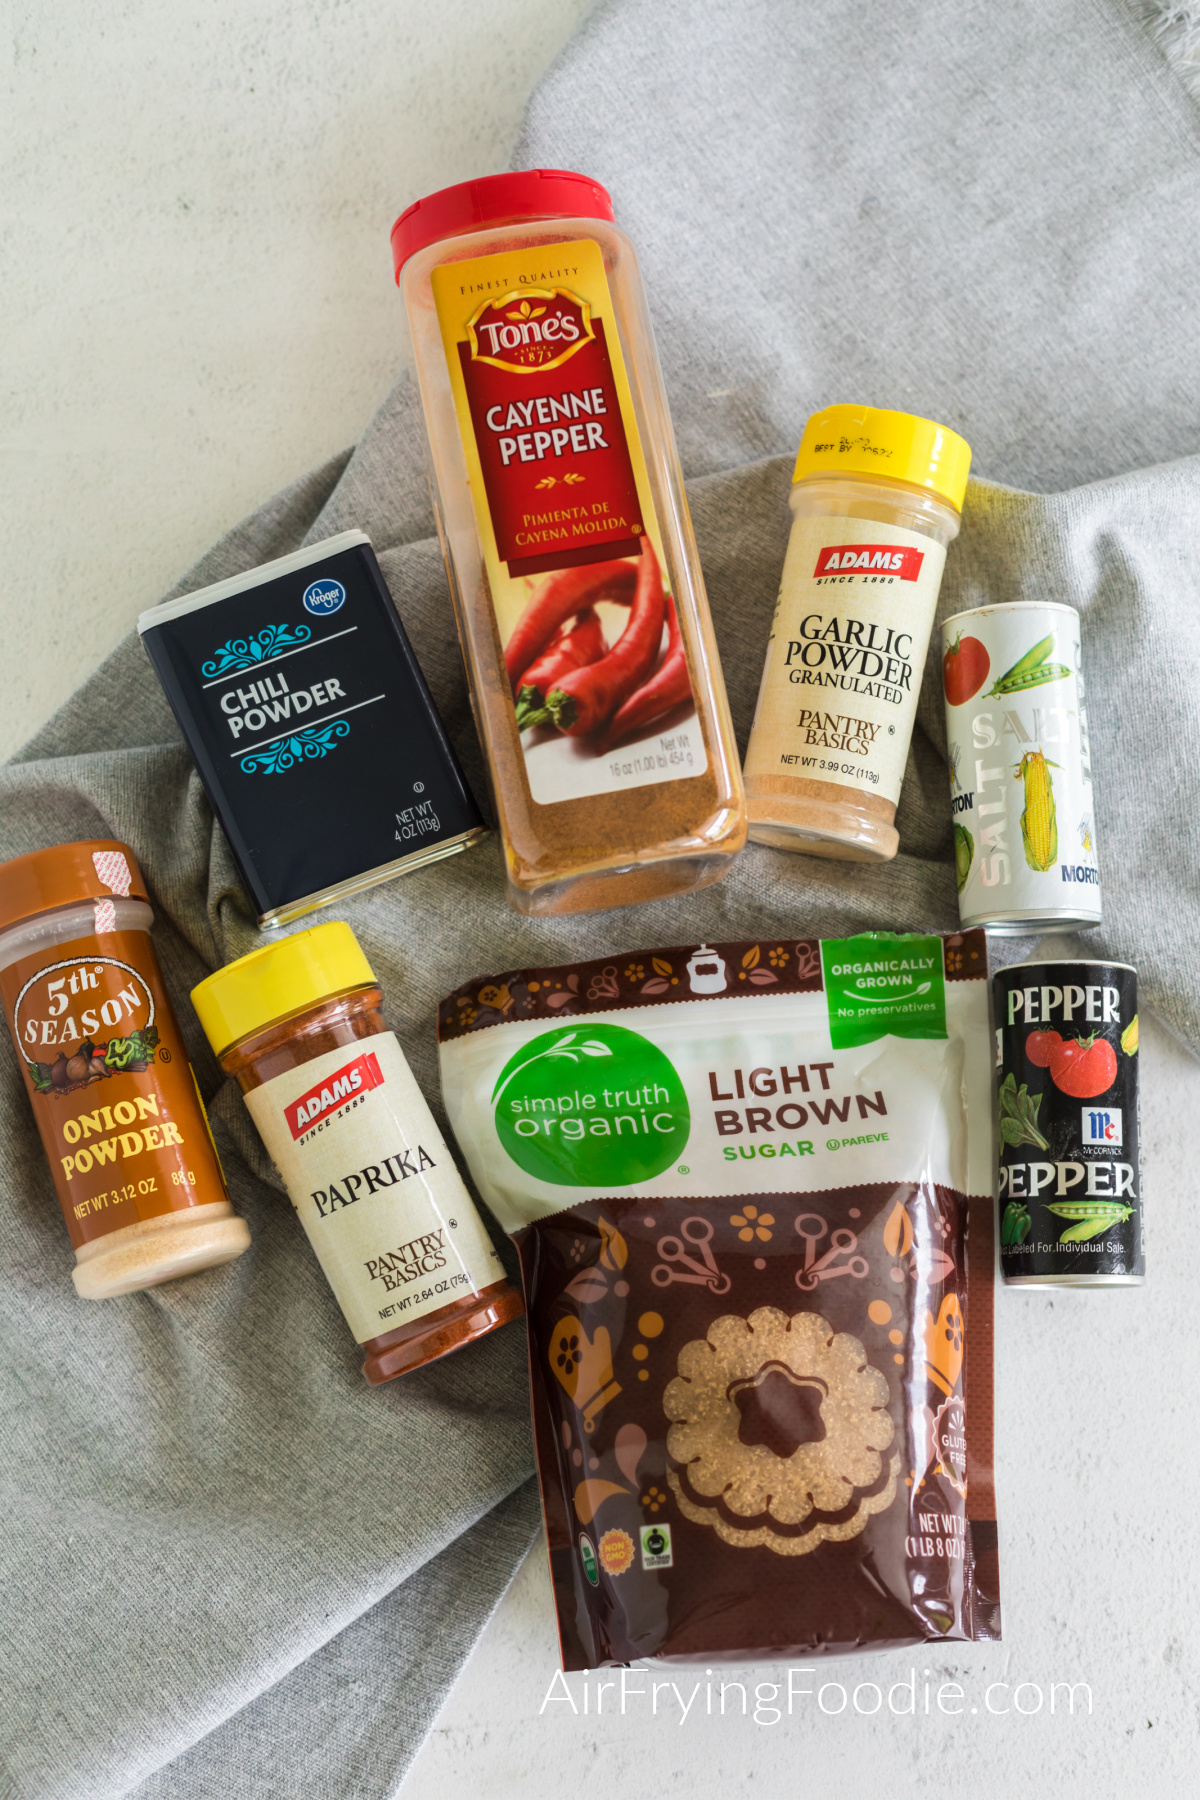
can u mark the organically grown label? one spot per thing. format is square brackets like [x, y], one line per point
[878, 984]
[368, 1171]
[600, 684]
[846, 655]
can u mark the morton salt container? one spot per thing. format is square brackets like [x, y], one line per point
[1020, 769]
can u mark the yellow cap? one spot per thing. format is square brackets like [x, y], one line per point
[284, 978]
[865, 440]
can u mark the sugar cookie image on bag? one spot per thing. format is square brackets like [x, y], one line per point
[750, 1185]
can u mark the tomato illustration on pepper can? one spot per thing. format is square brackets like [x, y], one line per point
[1069, 1187]
[1020, 769]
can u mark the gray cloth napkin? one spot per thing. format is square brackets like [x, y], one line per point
[227, 1565]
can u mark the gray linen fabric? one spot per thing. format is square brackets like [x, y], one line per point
[227, 1565]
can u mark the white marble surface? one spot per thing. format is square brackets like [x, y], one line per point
[195, 280]
[198, 305]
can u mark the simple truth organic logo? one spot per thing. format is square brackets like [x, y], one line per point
[594, 1106]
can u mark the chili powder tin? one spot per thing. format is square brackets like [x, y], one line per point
[1069, 1188]
[311, 726]
[1020, 769]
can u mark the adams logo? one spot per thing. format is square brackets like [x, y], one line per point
[321, 1101]
[531, 329]
[896, 560]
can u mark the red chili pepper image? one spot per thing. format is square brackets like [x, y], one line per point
[564, 595]
[583, 699]
[668, 687]
[574, 649]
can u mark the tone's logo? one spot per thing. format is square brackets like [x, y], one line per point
[530, 329]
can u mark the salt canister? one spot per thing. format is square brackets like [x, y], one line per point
[1020, 769]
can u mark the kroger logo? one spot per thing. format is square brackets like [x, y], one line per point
[324, 597]
[1102, 1126]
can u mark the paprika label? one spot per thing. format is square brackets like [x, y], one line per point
[123, 1126]
[571, 548]
[846, 655]
[377, 1191]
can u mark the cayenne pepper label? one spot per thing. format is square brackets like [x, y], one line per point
[120, 1119]
[570, 544]
[569, 430]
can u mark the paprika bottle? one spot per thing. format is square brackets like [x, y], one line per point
[299, 1026]
[112, 1091]
[876, 499]
[560, 504]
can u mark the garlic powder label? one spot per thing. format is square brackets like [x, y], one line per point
[846, 655]
[368, 1171]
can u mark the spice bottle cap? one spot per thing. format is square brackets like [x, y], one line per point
[96, 869]
[280, 980]
[866, 440]
[497, 200]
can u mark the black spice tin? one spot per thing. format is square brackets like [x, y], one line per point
[1070, 1187]
[312, 728]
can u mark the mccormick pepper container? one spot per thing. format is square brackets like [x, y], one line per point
[308, 718]
[572, 564]
[299, 1025]
[1020, 769]
[112, 1091]
[876, 499]
[1070, 1185]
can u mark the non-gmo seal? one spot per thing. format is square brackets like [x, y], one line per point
[324, 597]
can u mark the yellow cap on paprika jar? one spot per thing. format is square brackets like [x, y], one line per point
[281, 979]
[867, 440]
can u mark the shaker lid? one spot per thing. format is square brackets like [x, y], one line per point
[95, 869]
[497, 200]
[868, 440]
[278, 981]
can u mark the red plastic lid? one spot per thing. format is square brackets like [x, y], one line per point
[497, 200]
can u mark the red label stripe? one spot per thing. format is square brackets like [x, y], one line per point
[870, 559]
[320, 1101]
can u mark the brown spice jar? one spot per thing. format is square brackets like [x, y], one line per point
[379, 1108]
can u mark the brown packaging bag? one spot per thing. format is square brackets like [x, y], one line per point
[751, 1188]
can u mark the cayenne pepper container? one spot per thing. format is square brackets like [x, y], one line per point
[576, 583]
[299, 1026]
[876, 499]
[112, 1091]
[1020, 769]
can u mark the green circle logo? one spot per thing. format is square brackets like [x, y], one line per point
[595, 1106]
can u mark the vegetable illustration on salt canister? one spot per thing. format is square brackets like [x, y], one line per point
[1029, 865]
